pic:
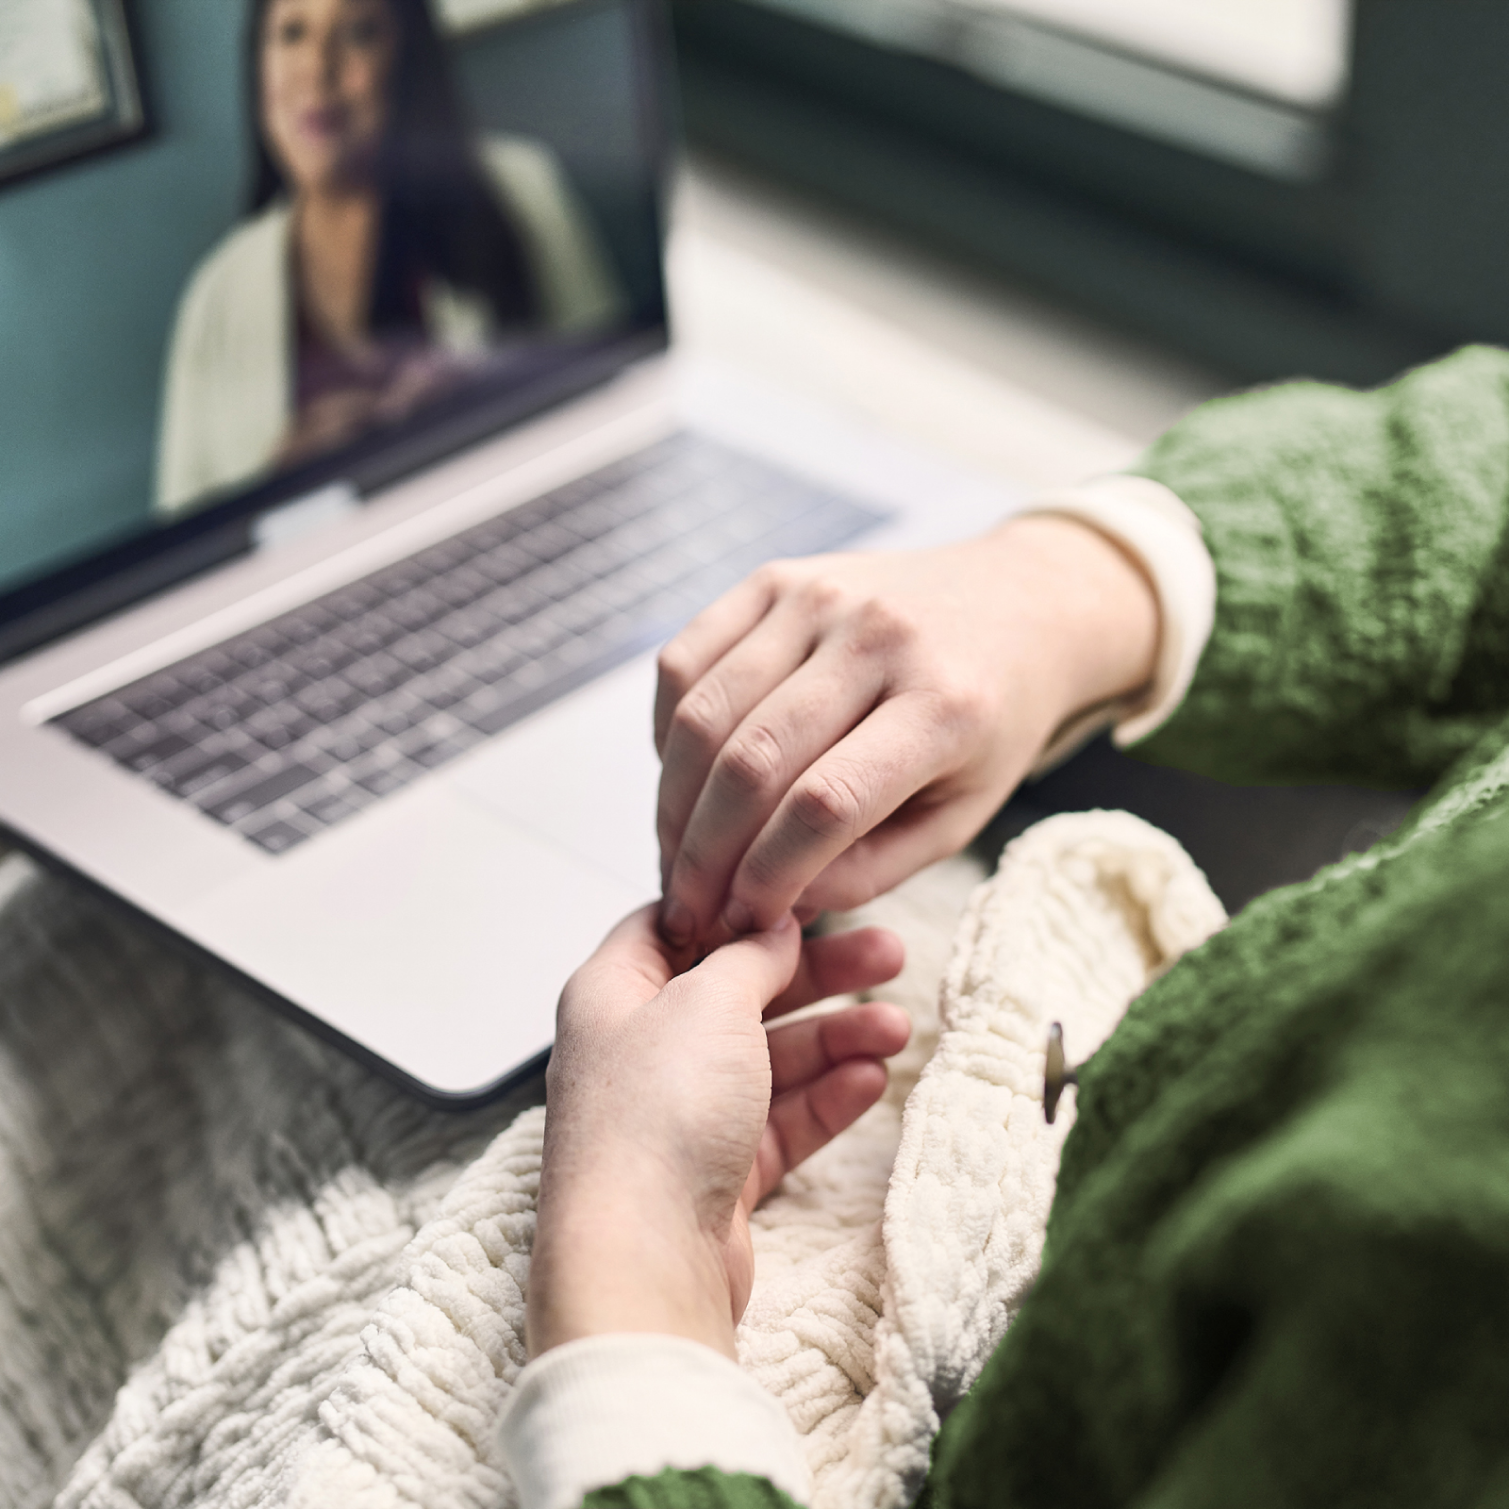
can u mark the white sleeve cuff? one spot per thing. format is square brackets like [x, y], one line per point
[1164, 537]
[593, 1412]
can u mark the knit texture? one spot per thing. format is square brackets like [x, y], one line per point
[1275, 1266]
[351, 1322]
[874, 1332]
[164, 1138]
[1361, 544]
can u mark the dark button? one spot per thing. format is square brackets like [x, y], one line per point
[1057, 1075]
[99, 722]
[439, 753]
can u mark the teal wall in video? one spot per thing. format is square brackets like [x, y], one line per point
[92, 257]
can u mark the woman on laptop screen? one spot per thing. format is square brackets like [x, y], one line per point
[390, 254]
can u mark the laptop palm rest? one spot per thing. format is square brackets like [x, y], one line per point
[437, 933]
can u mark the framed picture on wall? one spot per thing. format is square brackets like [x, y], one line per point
[68, 83]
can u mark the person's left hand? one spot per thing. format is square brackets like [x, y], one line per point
[671, 1113]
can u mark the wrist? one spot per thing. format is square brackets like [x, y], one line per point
[612, 1257]
[1094, 607]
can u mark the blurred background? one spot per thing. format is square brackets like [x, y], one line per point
[1270, 187]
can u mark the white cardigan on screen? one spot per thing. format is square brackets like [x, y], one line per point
[228, 391]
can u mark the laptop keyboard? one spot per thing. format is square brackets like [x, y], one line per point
[287, 729]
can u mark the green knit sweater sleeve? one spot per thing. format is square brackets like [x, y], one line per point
[705, 1488]
[1275, 1267]
[1361, 545]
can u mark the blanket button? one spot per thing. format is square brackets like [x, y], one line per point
[1057, 1075]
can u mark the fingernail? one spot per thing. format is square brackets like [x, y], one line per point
[738, 919]
[677, 923]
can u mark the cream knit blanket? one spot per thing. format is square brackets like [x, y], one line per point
[321, 1285]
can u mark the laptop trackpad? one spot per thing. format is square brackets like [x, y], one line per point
[582, 774]
[433, 934]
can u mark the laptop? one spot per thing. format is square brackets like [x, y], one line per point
[349, 482]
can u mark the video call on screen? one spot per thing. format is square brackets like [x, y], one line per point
[347, 215]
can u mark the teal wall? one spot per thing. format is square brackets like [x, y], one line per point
[93, 255]
[92, 258]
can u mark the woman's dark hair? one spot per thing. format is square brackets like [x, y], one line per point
[441, 217]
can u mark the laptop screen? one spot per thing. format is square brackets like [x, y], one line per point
[355, 234]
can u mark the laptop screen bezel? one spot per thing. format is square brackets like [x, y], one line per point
[124, 572]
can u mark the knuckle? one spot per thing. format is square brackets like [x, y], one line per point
[761, 874]
[828, 804]
[774, 576]
[821, 596]
[882, 626]
[699, 717]
[751, 760]
[959, 706]
[696, 861]
[693, 865]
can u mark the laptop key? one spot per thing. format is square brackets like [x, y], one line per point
[435, 755]
[388, 778]
[276, 837]
[330, 807]
[99, 722]
[155, 700]
[323, 658]
[198, 771]
[275, 737]
[160, 750]
[421, 652]
[241, 804]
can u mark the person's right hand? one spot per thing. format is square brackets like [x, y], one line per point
[834, 724]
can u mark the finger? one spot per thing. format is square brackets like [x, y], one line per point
[705, 641]
[904, 843]
[802, 1121]
[803, 1052]
[708, 715]
[896, 752]
[752, 971]
[808, 713]
[835, 965]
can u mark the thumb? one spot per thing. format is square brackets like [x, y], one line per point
[633, 959]
[754, 970]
